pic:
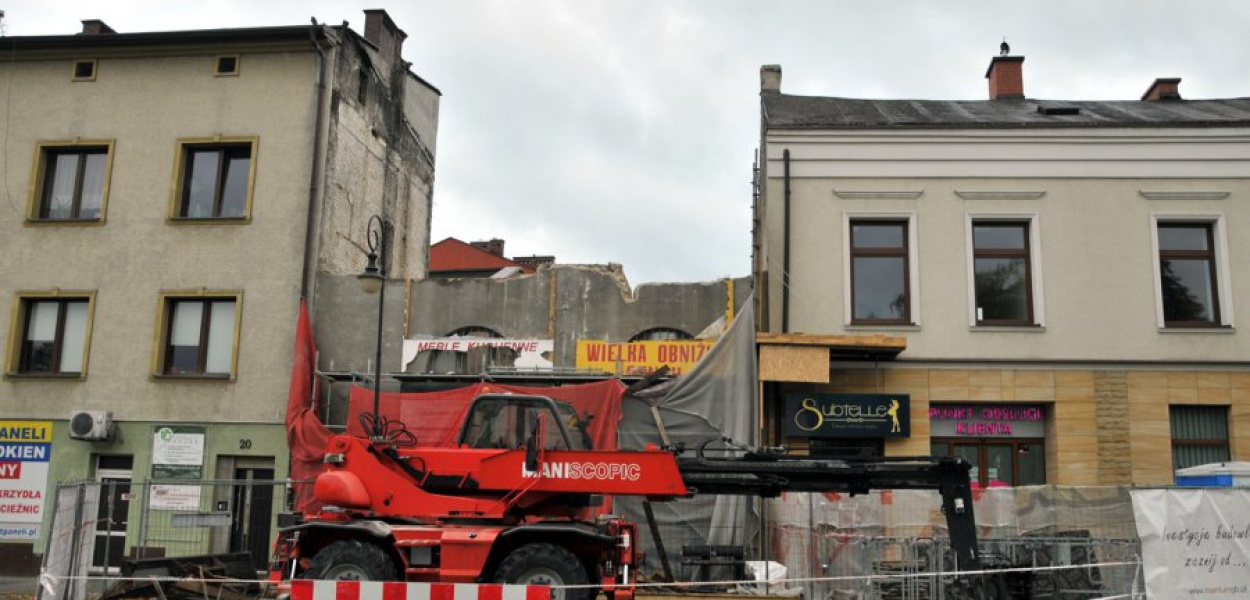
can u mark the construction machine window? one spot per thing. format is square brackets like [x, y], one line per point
[505, 422]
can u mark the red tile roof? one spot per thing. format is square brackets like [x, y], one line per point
[452, 254]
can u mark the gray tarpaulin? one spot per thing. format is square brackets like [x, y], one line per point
[716, 399]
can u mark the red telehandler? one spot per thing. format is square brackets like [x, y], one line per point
[503, 504]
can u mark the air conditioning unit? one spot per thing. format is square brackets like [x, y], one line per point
[93, 425]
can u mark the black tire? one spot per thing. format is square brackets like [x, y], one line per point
[546, 564]
[351, 560]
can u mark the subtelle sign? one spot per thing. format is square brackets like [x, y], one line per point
[848, 415]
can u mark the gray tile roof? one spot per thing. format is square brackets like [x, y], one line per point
[782, 111]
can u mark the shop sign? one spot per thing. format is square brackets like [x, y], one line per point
[531, 354]
[987, 420]
[1195, 542]
[25, 449]
[641, 358]
[177, 453]
[848, 415]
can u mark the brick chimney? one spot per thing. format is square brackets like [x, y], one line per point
[1164, 88]
[382, 32]
[494, 246]
[770, 78]
[1006, 75]
[95, 27]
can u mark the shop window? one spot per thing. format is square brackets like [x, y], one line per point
[214, 180]
[880, 273]
[1199, 435]
[71, 182]
[52, 335]
[1187, 275]
[1002, 273]
[998, 462]
[199, 335]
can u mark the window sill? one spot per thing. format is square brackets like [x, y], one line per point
[194, 378]
[884, 327]
[46, 376]
[68, 222]
[209, 221]
[1219, 329]
[1009, 328]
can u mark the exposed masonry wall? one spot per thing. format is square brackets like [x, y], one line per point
[379, 161]
[1115, 461]
[591, 302]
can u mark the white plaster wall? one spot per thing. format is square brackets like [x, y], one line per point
[1096, 257]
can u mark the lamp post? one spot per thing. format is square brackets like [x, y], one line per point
[373, 281]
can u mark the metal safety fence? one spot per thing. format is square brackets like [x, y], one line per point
[1045, 543]
[107, 530]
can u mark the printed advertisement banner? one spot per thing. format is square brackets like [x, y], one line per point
[178, 452]
[531, 354]
[848, 415]
[640, 358]
[1195, 542]
[25, 449]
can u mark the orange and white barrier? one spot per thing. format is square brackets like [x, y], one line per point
[308, 589]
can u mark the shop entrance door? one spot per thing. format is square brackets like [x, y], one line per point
[251, 512]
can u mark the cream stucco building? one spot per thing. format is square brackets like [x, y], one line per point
[1054, 286]
[170, 197]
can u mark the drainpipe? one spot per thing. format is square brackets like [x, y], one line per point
[785, 235]
[318, 149]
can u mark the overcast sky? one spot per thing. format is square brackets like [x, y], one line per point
[624, 131]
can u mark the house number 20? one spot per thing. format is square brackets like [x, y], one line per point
[245, 444]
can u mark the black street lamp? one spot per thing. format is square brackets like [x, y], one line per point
[373, 281]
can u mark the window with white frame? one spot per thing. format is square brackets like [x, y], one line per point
[1004, 270]
[881, 273]
[1191, 272]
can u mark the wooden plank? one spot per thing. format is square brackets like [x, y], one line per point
[805, 364]
[876, 341]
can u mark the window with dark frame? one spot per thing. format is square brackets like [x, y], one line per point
[1199, 435]
[72, 183]
[1002, 273]
[199, 336]
[227, 65]
[215, 181]
[880, 277]
[84, 70]
[1187, 276]
[53, 336]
